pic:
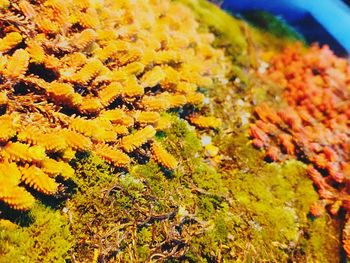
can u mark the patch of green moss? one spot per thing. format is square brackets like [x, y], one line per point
[182, 140]
[266, 219]
[122, 215]
[46, 239]
[219, 21]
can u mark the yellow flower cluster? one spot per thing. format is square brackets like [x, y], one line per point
[88, 75]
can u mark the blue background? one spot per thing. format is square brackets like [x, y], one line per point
[323, 21]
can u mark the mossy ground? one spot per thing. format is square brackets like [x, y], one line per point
[46, 239]
[241, 209]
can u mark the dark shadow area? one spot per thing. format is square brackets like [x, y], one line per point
[41, 71]
[19, 217]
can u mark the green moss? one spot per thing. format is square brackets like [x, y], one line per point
[91, 171]
[242, 210]
[322, 243]
[143, 253]
[207, 178]
[273, 202]
[154, 177]
[182, 140]
[114, 214]
[144, 236]
[221, 227]
[219, 21]
[46, 239]
[14, 244]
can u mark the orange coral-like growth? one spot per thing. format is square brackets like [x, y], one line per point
[148, 117]
[113, 156]
[163, 157]
[159, 102]
[10, 193]
[54, 168]
[205, 122]
[16, 151]
[88, 76]
[8, 129]
[39, 180]
[76, 140]
[133, 141]
[153, 77]
[17, 197]
[108, 94]
[10, 41]
[17, 64]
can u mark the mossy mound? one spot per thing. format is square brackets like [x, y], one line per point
[237, 209]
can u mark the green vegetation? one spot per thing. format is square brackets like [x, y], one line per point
[241, 209]
[271, 204]
[219, 21]
[46, 239]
